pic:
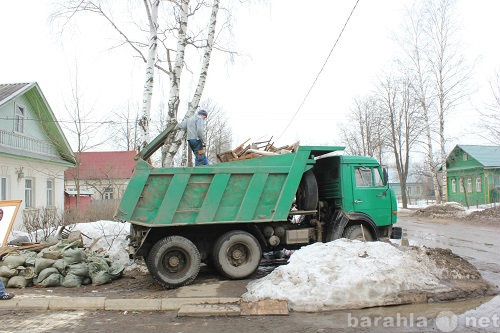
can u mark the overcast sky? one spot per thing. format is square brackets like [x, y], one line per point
[282, 45]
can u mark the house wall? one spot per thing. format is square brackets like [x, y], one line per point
[477, 194]
[99, 186]
[39, 172]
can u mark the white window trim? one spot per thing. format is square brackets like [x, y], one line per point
[21, 117]
[51, 194]
[4, 187]
[32, 197]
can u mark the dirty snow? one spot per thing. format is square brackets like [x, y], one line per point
[345, 274]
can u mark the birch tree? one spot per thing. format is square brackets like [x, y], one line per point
[440, 76]
[490, 117]
[70, 8]
[404, 124]
[414, 43]
[449, 70]
[174, 141]
[365, 132]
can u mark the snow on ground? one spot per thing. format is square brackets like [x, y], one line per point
[485, 317]
[345, 274]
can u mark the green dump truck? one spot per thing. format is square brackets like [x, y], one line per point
[228, 214]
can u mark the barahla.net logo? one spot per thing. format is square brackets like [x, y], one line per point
[445, 321]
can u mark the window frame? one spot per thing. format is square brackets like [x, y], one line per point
[29, 193]
[479, 185]
[19, 117]
[50, 192]
[4, 187]
[453, 185]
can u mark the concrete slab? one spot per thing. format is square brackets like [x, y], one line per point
[208, 310]
[134, 304]
[174, 304]
[76, 303]
[11, 304]
[32, 303]
[268, 307]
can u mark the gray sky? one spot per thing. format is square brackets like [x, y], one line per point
[282, 45]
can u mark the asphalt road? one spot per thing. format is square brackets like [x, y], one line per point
[479, 244]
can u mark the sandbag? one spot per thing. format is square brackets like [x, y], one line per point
[47, 272]
[60, 264]
[42, 263]
[100, 277]
[7, 272]
[26, 272]
[71, 281]
[18, 282]
[73, 255]
[29, 256]
[5, 280]
[81, 269]
[13, 260]
[53, 280]
[116, 270]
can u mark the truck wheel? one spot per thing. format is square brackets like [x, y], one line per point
[306, 197]
[355, 232]
[173, 261]
[236, 254]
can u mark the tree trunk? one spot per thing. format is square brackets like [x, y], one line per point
[152, 13]
[173, 142]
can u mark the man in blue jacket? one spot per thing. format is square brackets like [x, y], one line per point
[196, 136]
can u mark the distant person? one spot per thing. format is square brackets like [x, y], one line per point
[196, 136]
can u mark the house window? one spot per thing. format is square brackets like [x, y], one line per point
[50, 192]
[108, 193]
[19, 118]
[28, 193]
[3, 188]
[478, 184]
[465, 157]
[454, 186]
[461, 181]
[469, 185]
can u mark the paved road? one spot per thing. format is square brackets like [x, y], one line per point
[479, 244]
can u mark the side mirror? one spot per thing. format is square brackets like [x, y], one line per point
[386, 176]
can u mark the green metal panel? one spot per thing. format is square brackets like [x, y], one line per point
[254, 190]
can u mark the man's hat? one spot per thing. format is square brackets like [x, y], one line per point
[203, 113]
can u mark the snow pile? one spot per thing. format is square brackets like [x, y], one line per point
[346, 274]
[485, 317]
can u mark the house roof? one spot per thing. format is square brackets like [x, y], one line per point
[43, 114]
[488, 156]
[103, 165]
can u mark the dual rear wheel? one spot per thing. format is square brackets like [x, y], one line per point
[174, 261]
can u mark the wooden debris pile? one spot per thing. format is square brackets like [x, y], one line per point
[256, 149]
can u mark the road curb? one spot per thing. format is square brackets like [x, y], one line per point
[112, 304]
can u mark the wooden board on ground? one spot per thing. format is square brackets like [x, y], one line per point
[267, 307]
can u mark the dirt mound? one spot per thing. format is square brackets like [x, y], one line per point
[487, 216]
[446, 210]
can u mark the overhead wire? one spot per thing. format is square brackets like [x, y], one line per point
[320, 71]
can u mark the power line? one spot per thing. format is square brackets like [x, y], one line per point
[320, 71]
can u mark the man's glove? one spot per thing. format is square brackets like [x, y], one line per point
[201, 152]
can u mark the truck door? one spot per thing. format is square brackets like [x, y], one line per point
[371, 195]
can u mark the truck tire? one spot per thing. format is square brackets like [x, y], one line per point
[306, 197]
[236, 254]
[354, 232]
[173, 261]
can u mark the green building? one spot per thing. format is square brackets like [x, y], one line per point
[474, 174]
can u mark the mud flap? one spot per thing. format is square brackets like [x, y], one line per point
[396, 233]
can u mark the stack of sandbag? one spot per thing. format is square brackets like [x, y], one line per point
[63, 264]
